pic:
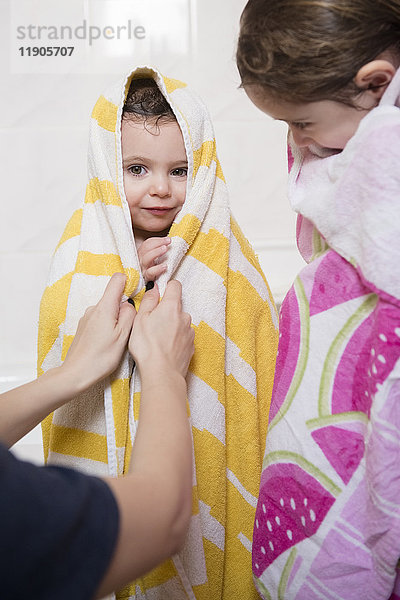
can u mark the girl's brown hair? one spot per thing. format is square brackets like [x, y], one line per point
[310, 50]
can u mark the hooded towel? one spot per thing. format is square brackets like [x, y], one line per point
[328, 516]
[231, 373]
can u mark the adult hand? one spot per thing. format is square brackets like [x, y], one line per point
[162, 336]
[101, 336]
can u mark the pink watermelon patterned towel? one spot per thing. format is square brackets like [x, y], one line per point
[328, 517]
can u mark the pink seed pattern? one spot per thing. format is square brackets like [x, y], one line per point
[291, 507]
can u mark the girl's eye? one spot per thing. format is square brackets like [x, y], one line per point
[182, 172]
[300, 125]
[137, 170]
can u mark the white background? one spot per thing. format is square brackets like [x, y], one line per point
[45, 109]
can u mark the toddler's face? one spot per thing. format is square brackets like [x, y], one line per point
[325, 123]
[155, 172]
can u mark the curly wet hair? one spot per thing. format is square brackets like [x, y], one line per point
[145, 102]
[309, 50]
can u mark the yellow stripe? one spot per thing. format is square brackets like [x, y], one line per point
[243, 443]
[195, 501]
[219, 172]
[212, 249]
[67, 341]
[46, 433]
[173, 84]
[73, 227]
[80, 443]
[208, 362]
[53, 308]
[103, 190]
[204, 156]
[247, 250]
[238, 582]
[210, 472]
[98, 264]
[128, 453]
[120, 401]
[159, 575]
[132, 281]
[215, 569]
[242, 515]
[244, 315]
[266, 347]
[105, 113]
[187, 228]
[202, 592]
[136, 405]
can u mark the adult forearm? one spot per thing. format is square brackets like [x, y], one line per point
[99, 342]
[163, 442]
[24, 407]
[155, 498]
[163, 446]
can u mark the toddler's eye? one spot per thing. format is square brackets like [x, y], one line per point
[181, 172]
[137, 170]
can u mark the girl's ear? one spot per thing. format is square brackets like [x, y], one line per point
[375, 76]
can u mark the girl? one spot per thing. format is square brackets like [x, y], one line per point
[153, 170]
[328, 517]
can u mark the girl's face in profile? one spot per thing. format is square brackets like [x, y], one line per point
[155, 173]
[325, 123]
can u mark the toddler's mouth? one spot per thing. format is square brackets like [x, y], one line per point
[158, 210]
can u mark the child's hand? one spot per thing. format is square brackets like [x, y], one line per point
[149, 252]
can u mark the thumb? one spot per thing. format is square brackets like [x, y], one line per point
[127, 314]
[111, 298]
[150, 300]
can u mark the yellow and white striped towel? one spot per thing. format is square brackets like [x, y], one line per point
[231, 373]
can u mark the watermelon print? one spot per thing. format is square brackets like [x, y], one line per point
[291, 506]
[334, 439]
[369, 357]
[385, 347]
[351, 387]
[288, 349]
[329, 408]
[334, 279]
[343, 448]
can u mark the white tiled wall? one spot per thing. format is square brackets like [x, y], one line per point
[43, 137]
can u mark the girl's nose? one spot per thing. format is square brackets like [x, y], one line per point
[160, 186]
[300, 139]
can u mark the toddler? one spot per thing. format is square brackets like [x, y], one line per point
[154, 170]
[156, 191]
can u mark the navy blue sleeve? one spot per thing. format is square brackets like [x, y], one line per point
[58, 530]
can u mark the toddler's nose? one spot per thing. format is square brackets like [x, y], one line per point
[160, 186]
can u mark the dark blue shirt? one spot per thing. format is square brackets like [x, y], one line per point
[58, 530]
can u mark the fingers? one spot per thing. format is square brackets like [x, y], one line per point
[154, 243]
[127, 314]
[111, 298]
[152, 255]
[150, 300]
[149, 253]
[187, 319]
[152, 273]
[173, 293]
